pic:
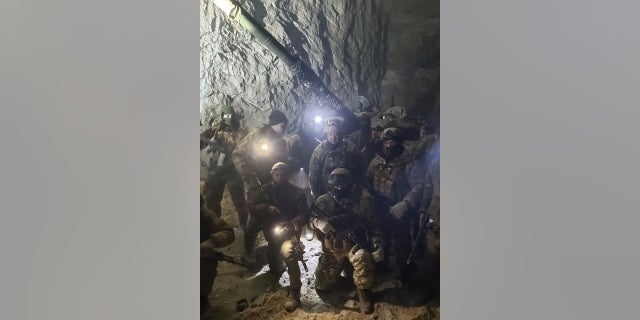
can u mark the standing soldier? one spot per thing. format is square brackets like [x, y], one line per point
[334, 152]
[430, 210]
[214, 233]
[280, 212]
[396, 180]
[374, 145]
[362, 135]
[346, 224]
[260, 150]
[221, 141]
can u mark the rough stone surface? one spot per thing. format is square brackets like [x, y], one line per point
[342, 41]
[413, 57]
[373, 48]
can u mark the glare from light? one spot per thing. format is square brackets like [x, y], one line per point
[318, 119]
[224, 5]
[264, 147]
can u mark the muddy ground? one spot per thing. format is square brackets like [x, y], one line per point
[265, 295]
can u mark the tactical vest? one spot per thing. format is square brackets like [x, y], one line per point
[219, 159]
[339, 157]
[389, 179]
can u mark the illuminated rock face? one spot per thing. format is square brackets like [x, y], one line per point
[373, 48]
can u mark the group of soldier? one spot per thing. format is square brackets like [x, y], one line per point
[372, 198]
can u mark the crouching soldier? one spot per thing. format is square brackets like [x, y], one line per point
[279, 211]
[214, 233]
[343, 218]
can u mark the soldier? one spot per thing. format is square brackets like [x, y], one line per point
[214, 233]
[221, 141]
[334, 152]
[280, 211]
[374, 145]
[396, 180]
[345, 215]
[361, 137]
[260, 150]
[430, 209]
[427, 141]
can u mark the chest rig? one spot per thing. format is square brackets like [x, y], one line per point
[226, 139]
[388, 176]
[347, 223]
[339, 157]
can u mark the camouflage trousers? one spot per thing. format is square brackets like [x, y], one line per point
[432, 241]
[279, 250]
[333, 261]
[214, 189]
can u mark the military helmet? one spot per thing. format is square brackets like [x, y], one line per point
[391, 134]
[333, 125]
[226, 109]
[340, 175]
[281, 166]
[226, 112]
[277, 117]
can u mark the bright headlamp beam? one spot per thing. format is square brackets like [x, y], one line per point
[318, 119]
[224, 5]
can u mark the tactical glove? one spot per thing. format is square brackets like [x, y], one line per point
[378, 253]
[399, 209]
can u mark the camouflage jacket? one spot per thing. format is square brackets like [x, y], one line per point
[358, 211]
[326, 157]
[300, 146]
[393, 181]
[223, 140]
[431, 194]
[289, 199]
[248, 157]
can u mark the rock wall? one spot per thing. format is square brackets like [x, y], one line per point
[349, 44]
[412, 77]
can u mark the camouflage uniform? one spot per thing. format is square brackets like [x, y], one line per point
[222, 171]
[363, 135]
[214, 233]
[430, 206]
[327, 157]
[353, 235]
[372, 147]
[300, 146]
[397, 182]
[291, 203]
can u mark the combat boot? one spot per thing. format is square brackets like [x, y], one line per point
[366, 306]
[293, 301]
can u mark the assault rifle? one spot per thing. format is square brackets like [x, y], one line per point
[343, 225]
[426, 223]
[298, 251]
[216, 255]
[214, 145]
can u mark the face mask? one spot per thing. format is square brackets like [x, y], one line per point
[341, 192]
[392, 152]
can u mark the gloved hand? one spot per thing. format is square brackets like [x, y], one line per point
[378, 252]
[399, 209]
[218, 239]
[272, 210]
